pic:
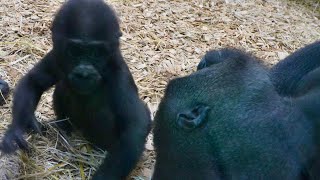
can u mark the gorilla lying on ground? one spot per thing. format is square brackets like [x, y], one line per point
[93, 88]
[227, 121]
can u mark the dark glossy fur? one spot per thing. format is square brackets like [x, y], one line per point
[298, 73]
[249, 131]
[94, 88]
[293, 76]
[4, 88]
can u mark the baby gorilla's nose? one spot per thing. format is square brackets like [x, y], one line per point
[84, 78]
[85, 72]
[82, 75]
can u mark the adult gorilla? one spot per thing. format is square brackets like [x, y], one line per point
[227, 121]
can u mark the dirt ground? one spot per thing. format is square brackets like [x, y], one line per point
[161, 40]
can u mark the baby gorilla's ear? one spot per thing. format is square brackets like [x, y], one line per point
[192, 118]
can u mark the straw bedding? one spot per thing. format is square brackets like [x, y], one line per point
[161, 40]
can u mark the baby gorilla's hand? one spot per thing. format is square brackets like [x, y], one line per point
[13, 138]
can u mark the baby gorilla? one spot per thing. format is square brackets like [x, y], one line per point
[228, 122]
[93, 88]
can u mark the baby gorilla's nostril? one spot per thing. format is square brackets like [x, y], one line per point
[82, 75]
[84, 71]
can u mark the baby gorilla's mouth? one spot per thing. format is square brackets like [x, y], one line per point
[86, 86]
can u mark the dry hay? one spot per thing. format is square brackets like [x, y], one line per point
[313, 5]
[161, 40]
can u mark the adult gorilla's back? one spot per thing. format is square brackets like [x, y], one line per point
[227, 122]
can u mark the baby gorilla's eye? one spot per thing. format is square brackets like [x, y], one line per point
[75, 50]
[83, 50]
[98, 52]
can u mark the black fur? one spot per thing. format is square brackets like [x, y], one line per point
[293, 76]
[298, 73]
[4, 88]
[94, 88]
[246, 130]
[216, 56]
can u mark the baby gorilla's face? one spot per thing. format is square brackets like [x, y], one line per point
[85, 58]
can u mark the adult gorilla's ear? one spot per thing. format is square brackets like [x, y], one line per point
[193, 117]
